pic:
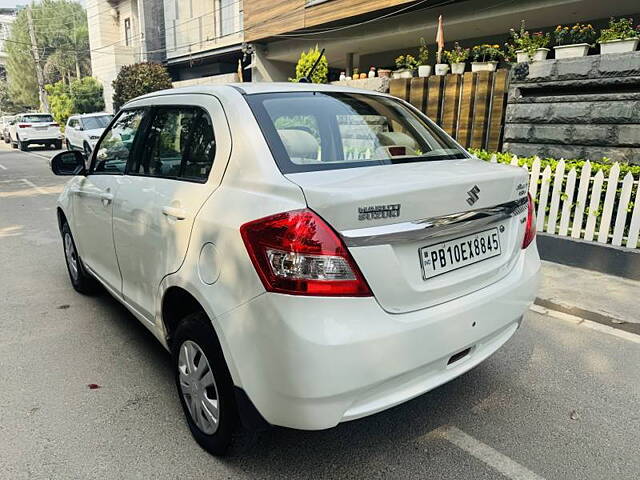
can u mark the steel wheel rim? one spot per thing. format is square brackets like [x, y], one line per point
[71, 256]
[198, 387]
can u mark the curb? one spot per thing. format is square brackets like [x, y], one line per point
[619, 261]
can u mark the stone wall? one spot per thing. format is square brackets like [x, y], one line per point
[585, 107]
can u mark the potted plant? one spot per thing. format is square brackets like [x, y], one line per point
[619, 37]
[485, 58]
[424, 69]
[405, 66]
[528, 46]
[457, 58]
[573, 41]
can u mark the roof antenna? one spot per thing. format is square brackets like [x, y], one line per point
[307, 77]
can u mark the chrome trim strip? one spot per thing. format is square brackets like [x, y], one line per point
[433, 227]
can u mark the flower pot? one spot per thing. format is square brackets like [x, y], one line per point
[424, 71]
[384, 73]
[571, 51]
[442, 68]
[619, 46]
[458, 68]
[403, 73]
[541, 54]
[522, 56]
[484, 66]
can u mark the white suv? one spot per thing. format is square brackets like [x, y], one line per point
[39, 128]
[309, 254]
[83, 131]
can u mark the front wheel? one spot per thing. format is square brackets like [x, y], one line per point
[87, 150]
[81, 280]
[204, 384]
[68, 145]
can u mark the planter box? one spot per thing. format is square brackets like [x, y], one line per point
[424, 71]
[442, 68]
[541, 54]
[458, 68]
[404, 73]
[484, 66]
[571, 51]
[522, 56]
[619, 46]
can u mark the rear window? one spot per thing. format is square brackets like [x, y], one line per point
[312, 131]
[93, 123]
[37, 118]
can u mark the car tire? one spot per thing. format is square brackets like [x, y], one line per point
[81, 280]
[23, 146]
[86, 148]
[13, 144]
[196, 335]
[68, 145]
[7, 139]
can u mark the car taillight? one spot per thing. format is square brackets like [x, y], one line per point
[297, 253]
[24, 125]
[530, 230]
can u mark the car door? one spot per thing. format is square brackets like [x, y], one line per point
[95, 196]
[167, 182]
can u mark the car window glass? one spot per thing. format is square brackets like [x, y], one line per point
[114, 150]
[179, 144]
[37, 118]
[93, 123]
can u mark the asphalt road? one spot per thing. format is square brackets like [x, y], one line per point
[559, 401]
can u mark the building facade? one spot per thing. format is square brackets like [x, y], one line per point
[360, 33]
[121, 33]
[7, 17]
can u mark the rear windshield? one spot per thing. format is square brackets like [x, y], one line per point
[92, 123]
[37, 118]
[310, 131]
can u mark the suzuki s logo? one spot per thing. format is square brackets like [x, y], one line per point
[473, 195]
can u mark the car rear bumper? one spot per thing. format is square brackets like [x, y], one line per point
[37, 138]
[311, 363]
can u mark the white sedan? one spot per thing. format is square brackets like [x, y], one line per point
[309, 254]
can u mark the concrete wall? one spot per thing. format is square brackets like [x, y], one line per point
[585, 107]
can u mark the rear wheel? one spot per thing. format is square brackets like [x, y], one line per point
[22, 146]
[81, 280]
[204, 384]
[13, 144]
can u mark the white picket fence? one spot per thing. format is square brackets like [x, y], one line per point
[575, 206]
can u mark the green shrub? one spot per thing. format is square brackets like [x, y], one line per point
[306, 61]
[139, 79]
[60, 102]
[407, 62]
[619, 30]
[86, 94]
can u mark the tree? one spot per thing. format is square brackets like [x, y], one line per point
[138, 79]
[60, 102]
[306, 61]
[86, 94]
[7, 105]
[63, 41]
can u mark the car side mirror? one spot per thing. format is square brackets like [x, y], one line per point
[69, 163]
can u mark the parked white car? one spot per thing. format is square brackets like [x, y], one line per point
[309, 254]
[5, 121]
[34, 128]
[83, 131]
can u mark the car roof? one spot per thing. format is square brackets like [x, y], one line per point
[251, 88]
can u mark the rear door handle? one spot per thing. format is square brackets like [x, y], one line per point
[177, 213]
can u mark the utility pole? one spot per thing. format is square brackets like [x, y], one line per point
[36, 56]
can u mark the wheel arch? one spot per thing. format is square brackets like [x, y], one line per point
[62, 218]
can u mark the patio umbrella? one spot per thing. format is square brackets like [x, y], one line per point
[440, 38]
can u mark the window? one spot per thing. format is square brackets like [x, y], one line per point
[73, 123]
[127, 32]
[227, 20]
[179, 144]
[309, 131]
[113, 152]
[97, 122]
[36, 118]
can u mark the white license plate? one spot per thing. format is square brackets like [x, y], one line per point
[459, 252]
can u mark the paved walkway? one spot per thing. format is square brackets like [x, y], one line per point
[593, 295]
